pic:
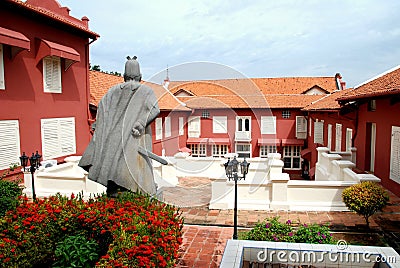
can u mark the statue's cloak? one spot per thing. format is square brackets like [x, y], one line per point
[112, 153]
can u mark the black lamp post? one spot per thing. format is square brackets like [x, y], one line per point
[34, 162]
[232, 172]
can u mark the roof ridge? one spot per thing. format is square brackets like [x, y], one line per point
[377, 76]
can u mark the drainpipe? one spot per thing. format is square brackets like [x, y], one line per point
[89, 119]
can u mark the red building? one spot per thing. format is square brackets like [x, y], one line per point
[44, 85]
[329, 125]
[377, 128]
[251, 117]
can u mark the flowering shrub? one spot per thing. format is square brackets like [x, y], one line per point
[273, 230]
[365, 199]
[131, 230]
[314, 233]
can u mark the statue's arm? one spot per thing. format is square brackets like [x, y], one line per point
[149, 114]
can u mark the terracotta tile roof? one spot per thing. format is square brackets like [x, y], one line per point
[328, 102]
[59, 14]
[283, 85]
[290, 101]
[239, 93]
[101, 82]
[387, 83]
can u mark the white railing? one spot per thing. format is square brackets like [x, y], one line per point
[243, 136]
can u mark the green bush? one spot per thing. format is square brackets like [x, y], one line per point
[365, 199]
[273, 230]
[76, 251]
[314, 233]
[9, 193]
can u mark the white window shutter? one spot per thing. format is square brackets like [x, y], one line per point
[319, 132]
[58, 137]
[301, 127]
[181, 130]
[194, 127]
[52, 74]
[338, 144]
[220, 124]
[9, 143]
[167, 126]
[329, 137]
[395, 155]
[2, 79]
[349, 137]
[268, 124]
[56, 74]
[158, 128]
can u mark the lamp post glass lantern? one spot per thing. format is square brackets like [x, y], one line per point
[232, 172]
[34, 162]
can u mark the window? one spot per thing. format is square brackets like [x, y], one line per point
[205, 114]
[319, 132]
[372, 105]
[58, 137]
[310, 127]
[2, 81]
[243, 123]
[158, 128]
[395, 155]
[220, 124]
[349, 137]
[268, 124]
[291, 157]
[267, 149]
[219, 150]
[180, 122]
[243, 150]
[338, 144]
[198, 150]
[301, 127]
[329, 137]
[286, 114]
[167, 126]
[9, 143]
[194, 127]
[52, 74]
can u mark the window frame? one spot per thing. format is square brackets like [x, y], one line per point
[286, 114]
[238, 152]
[294, 152]
[219, 150]
[198, 149]
[266, 149]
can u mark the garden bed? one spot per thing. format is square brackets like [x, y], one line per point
[131, 230]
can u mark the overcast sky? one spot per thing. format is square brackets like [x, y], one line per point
[358, 39]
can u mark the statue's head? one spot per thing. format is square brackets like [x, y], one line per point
[132, 70]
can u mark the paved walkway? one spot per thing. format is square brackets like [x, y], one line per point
[206, 231]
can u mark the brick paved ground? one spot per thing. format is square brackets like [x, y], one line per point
[204, 241]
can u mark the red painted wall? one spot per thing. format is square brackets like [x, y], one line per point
[24, 99]
[286, 128]
[385, 116]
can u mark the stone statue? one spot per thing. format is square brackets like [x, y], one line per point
[118, 155]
